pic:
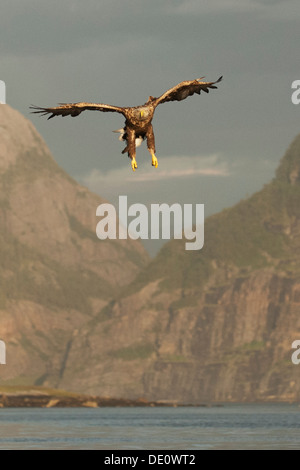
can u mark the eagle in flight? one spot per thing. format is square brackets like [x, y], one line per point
[138, 119]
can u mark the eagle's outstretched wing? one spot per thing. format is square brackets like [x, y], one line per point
[185, 89]
[73, 109]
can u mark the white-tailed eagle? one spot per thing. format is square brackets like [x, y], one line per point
[138, 119]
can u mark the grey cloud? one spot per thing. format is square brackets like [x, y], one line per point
[40, 27]
[45, 27]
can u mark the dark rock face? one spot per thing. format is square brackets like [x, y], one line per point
[236, 348]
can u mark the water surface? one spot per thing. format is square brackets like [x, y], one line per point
[236, 427]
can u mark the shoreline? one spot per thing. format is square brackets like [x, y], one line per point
[54, 401]
[36, 397]
[39, 397]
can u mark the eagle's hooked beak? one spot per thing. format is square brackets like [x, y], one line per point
[141, 113]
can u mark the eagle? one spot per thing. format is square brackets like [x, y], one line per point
[138, 119]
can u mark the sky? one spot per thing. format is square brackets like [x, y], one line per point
[213, 149]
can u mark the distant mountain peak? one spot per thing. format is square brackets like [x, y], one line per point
[289, 168]
[18, 137]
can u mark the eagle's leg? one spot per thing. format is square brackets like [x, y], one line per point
[131, 148]
[151, 145]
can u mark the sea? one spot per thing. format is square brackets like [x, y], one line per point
[228, 427]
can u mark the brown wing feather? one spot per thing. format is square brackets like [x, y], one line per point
[74, 109]
[185, 89]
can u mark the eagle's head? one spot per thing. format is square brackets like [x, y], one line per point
[142, 113]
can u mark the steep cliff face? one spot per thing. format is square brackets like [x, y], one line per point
[54, 271]
[213, 325]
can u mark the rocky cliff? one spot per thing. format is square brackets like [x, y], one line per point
[212, 325]
[55, 273]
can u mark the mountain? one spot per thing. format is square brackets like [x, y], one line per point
[55, 274]
[99, 318]
[211, 325]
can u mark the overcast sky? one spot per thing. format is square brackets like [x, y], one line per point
[214, 149]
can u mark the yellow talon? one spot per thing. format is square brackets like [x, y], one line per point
[154, 161]
[133, 164]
